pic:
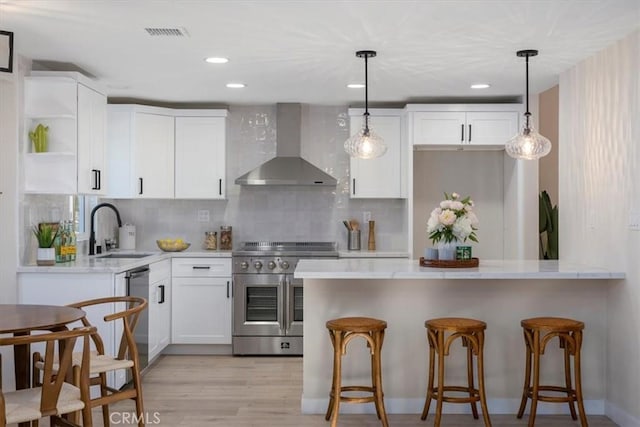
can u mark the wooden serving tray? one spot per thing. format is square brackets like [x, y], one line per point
[457, 263]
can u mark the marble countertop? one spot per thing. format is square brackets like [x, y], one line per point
[376, 268]
[372, 254]
[99, 264]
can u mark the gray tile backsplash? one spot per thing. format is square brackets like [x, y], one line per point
[267, 213]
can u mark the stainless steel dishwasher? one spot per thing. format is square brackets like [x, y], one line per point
[138, 286]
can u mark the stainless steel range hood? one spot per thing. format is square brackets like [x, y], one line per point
[287, 168]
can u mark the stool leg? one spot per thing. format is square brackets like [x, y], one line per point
[527, 376]
[337, 374]
[379, 337]
[576, 362]
[483, 397]
[374, 374]
[474, 406]
[536, 377]
[567, 378]
[332, 393]
[440, 378]
[432, 357]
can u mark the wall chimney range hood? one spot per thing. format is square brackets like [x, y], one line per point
[287, 168]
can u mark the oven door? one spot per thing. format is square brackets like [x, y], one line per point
[258, 308]
[294, 293]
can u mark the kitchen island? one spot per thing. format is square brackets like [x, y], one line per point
[499, 292]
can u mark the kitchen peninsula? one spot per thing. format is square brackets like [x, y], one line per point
[499, 292]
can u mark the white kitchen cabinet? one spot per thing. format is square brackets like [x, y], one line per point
[163, 153]
[201, 301]
[66, 288]
[159, 307]
[381, 177]
[140, 152]
[455, 128]
[200, 157]
[74, 110]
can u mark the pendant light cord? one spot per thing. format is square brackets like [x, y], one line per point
[527, 114]
[366, 94]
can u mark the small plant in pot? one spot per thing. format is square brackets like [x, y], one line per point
[46, 235]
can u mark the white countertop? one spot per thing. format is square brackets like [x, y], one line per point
[372, 254]
[98, 264]
[375, 268]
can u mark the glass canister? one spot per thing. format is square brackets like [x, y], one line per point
[211, 240]
[226, 239]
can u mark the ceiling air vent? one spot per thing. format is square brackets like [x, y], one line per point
[171, 32]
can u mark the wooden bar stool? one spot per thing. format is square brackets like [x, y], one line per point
[537, 333]
[471, 332]
[341, 332]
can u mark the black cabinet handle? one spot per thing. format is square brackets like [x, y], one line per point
[140, 180]
[469, 133]
[161, 294]
[95, 179]
[220, 186]
[201, 267]
[354, 186]
[227, 289]
[99, 179]
[462, 132]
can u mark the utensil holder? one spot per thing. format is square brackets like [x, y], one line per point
[353, 240]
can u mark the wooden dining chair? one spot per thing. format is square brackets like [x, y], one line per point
[54, 397]
[101, 363]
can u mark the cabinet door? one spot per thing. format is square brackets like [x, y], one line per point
[491, 128]
[381, 177]
[163, 296]
[153, 156]
[201, 310]
[439, 128]
[200, 157]
[92, 111]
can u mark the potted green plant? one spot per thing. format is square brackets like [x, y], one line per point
[46, 234]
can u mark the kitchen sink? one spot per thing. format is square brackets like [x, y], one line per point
[125, 256]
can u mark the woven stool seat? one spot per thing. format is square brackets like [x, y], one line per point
[441, 333]
[538, 332]
[341, 332]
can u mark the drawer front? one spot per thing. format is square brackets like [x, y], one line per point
[201, 267]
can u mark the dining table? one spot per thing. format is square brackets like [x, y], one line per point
[22, 319]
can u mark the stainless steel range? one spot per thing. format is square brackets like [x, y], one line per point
[267, 300]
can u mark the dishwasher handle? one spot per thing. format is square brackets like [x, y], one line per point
[139, 272]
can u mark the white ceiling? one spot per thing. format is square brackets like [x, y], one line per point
[304, 51]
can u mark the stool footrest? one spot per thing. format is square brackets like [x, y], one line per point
[357, 399]
[457, 399]
[571, 397]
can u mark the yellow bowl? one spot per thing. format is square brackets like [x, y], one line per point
[171, 245]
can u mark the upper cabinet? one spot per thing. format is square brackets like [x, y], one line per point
[162, 153]
[200, 158]
[72, 109]
[470, 126]
[382, 177]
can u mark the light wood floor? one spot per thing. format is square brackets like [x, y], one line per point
[195, 391]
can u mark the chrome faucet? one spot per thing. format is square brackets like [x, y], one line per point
[92, 234]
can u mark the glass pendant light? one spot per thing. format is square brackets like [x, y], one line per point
[528, 144]
[365, 144]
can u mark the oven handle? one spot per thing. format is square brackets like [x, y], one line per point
[285, 304]
[281, 312]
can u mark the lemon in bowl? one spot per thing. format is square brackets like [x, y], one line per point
[172, 245]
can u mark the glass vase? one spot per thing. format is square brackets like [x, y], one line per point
[447, 250]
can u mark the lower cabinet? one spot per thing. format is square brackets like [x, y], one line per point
[159, 307]
[201, 301]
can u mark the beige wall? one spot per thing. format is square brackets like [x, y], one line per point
[548, 165]
[599, 185]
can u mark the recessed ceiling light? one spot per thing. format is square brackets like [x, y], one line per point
[480, 86]
[355, 85]
[217, 60]
[236, 85]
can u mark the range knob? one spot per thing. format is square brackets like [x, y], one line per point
[244, 265]
[284, 265]
[257, 265]
[271, 265]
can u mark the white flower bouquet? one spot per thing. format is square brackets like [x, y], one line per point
[453, 221]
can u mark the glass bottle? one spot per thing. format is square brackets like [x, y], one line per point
[226, 239]
[57, 244]
[72, 242]
[211, 240]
